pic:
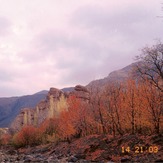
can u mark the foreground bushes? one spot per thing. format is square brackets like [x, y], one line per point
[31, 136]
[28, 136]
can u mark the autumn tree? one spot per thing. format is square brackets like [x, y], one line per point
[150, 65]
[66, 129]
[76, 120]
[131, 103]
[113, 103]
[49, 130]
[153, 102]
[150, 69]
[69, 120]
[98, 108]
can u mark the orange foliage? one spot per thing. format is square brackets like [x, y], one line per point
[66, 128]
[28, 135]
[129, 108]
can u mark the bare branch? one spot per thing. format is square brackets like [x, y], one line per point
[150, 65]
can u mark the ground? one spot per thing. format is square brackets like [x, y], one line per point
[94, 148]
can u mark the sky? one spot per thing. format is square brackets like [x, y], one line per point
[62, 43]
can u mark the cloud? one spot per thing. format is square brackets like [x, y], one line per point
[63, 43]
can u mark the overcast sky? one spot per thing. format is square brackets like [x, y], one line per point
[60, 43]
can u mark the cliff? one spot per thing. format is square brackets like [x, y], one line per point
[55, 102]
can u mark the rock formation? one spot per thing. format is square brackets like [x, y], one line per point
[81, 92]
[55, 102]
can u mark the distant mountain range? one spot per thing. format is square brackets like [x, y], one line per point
[10, 107]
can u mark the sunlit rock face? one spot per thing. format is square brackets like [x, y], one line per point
[54, 103]
[52, 106]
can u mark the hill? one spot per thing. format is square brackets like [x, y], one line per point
[115, 76]
[11, 106]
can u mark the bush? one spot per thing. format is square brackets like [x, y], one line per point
[27, 136]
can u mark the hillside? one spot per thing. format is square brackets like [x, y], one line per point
[115, 76]
[43, 109]
[11, 106]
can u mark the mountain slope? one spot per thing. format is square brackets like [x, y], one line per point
[10, 107]
[115, 76]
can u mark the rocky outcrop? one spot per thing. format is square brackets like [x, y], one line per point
[55, 102]
[4, 131]
[82, 93]
[26, 116]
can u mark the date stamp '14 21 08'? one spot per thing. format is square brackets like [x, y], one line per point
[140, 149]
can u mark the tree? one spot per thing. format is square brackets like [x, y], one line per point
[154, 105]
[115, 112]
[98, 107]
[150, 65]
[150, 69]
[79, 116]
[131, 103]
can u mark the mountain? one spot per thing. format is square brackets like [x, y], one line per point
[56, 99]
[115, 76]
[11, 106]
[42, 92]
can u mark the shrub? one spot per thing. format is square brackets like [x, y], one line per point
[27, 136]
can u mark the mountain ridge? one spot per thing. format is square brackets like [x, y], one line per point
[10, 106]
[114, 76]
[15, 104]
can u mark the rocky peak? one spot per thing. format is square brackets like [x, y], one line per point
[81, 92]
[55, 103]
[55, 93]
[81, 88]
